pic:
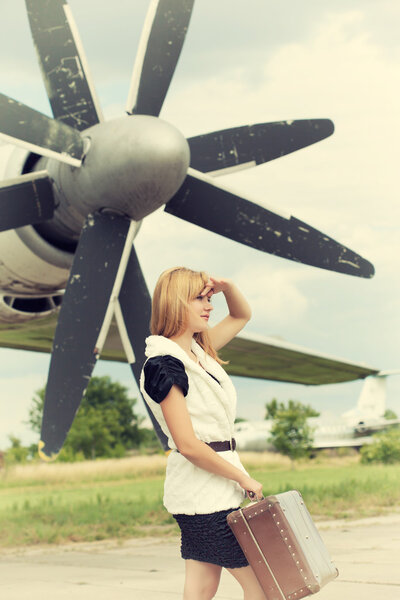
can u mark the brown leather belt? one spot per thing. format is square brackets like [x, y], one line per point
[222, 446]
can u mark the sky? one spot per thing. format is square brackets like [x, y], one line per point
[252, 62]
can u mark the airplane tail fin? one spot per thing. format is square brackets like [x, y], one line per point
[372, 399]
[371, 402]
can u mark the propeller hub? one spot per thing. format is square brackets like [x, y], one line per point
[133, 166]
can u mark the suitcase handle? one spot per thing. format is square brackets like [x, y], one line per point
[251, 495]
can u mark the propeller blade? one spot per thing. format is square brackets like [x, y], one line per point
[26, 200]
[217, 209]
[95, 279]
[228, 150]
[159, 49]
[63, 63]
[37, 133]
[133, 319]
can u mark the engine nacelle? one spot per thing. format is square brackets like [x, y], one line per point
[19, 309]
[29, 265]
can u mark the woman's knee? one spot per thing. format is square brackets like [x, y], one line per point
[202, 581]
[249, 582]
[204, 590]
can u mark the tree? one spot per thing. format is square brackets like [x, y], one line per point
[385, 448]
[17, 453]
[105, 424]
[290, 433]
[390, 414]
[273, 407]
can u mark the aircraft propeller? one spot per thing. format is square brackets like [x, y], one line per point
[98, 179]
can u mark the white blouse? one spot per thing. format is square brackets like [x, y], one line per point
[211, 404]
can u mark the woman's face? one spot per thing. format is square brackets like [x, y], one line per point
[199, 312]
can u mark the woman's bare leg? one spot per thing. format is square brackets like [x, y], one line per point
[249, 582]
[201, 580]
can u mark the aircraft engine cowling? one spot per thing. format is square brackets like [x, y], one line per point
[20, 309]
[29, 265]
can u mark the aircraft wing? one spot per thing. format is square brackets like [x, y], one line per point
[35, 335]
[249, 355]
[261, 357]
[343, 442]
[369, 429]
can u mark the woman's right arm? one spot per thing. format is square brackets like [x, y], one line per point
[180, 425]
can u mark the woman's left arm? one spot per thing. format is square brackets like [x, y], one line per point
[239, 312]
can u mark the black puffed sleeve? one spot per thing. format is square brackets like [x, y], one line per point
[161, 373]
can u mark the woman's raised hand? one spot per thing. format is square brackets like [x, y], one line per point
[215, 285]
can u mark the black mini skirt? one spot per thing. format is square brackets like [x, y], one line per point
[208, 538]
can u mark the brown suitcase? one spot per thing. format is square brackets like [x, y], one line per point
[283, 546]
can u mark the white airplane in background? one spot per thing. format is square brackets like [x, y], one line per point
[354, 428]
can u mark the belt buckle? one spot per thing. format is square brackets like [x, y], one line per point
[230, 445]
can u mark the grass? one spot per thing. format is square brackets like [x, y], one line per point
[121, 498]
[83, 472]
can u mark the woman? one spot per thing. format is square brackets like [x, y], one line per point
[194, 401]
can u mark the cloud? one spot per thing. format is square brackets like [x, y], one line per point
[273, 295]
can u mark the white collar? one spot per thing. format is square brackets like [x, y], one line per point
[159, 345]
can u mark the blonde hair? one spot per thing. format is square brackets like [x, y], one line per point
[174, 290]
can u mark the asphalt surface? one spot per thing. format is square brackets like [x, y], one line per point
[366, 552]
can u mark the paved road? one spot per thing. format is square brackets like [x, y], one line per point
[367, 553]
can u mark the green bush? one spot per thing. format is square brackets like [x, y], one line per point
[291, 433]
[17, 454]
[384, 449]
[68, 455]
[105, 425]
